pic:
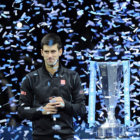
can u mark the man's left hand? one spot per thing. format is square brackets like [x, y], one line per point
[59, 102]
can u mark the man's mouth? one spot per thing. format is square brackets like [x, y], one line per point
[50, 60]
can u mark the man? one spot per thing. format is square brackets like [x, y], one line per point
[51, 95]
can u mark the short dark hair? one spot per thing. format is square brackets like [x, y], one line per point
[51, 39]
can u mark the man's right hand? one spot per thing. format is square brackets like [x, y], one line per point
[49, 109]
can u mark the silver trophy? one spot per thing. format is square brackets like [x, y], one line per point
[112, 78]
[111, 74]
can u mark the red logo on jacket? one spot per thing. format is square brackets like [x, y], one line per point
[23, 93]
[63, 82]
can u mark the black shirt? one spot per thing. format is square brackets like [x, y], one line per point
[38, 86]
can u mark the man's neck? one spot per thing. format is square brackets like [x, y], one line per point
[52, 69]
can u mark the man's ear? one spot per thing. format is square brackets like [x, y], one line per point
[60, 51]
[41, 52]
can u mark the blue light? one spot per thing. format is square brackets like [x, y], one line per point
[92, 94]
[126, 74]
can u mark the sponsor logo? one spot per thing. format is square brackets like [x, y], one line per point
[81, 92]
[23, 93]
[63, 82]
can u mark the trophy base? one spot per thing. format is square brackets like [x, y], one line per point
[132, 131]
[111, 132]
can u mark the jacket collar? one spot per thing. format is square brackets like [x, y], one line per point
[58, 72]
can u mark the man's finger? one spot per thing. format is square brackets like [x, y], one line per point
[60, 104]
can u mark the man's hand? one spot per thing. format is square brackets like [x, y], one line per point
[49, 108]
[58, 101]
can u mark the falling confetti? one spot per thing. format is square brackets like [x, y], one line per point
[99, 31]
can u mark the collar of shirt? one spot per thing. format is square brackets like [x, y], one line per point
[56, 74]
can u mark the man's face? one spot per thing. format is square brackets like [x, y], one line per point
[51, 54]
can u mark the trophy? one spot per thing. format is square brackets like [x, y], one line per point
[110, 74]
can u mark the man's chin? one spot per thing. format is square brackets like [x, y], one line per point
[50, 64]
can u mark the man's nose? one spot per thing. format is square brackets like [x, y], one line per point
[49, 54]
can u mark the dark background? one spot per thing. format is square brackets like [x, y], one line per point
[99, 30]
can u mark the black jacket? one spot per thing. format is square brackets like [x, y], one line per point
[38, 86]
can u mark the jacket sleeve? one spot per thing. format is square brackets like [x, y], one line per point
[77, 106]
[25, 107]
